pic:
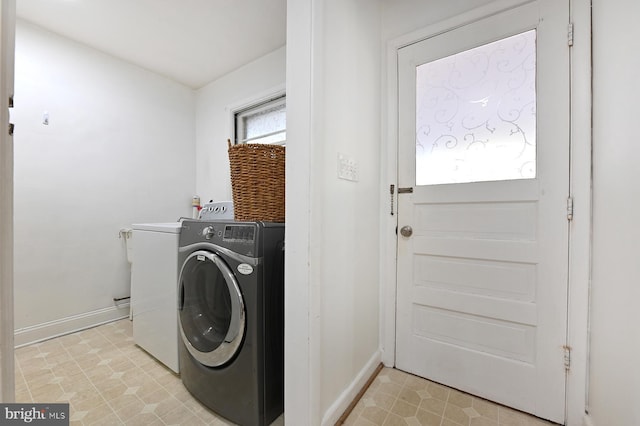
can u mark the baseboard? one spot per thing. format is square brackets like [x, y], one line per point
[340, 405]
[587, 421]
[45, 331]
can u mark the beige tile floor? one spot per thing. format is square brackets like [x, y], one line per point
[107, 380]
[397, 398]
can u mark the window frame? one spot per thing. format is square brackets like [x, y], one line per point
[255, 107]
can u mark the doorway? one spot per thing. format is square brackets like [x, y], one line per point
[483, 176]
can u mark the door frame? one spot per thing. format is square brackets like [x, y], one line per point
[7, 49]
[580, 189]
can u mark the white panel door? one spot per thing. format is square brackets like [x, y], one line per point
[484, 145]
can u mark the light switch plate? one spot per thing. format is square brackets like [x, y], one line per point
[347, 168]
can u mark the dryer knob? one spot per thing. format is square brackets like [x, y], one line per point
[208, 232]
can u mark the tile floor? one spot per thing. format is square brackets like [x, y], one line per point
[397, 398]
[107, 380]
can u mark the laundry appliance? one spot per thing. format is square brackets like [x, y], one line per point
[216, 210]
[231, 317]
[154, 288]
[154, 273]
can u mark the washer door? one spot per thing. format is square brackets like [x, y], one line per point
[211, 309]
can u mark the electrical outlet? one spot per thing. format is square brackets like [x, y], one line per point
[347, 168]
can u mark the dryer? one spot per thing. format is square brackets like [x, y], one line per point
[231, 317]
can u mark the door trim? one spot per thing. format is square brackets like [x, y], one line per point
[7, 50]
[580, 190]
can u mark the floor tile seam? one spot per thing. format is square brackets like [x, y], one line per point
[154, 379]
[121, 353]
[171, 396]
[396, 398]
[160, 386]
[25, 381]
[424, 409]
[443, 418]
[44, 355]
[366, 420]
[445, 410]
[97, 391]
[194, 412]
[171, 393]
[162, 421]
[106, 335]
[140, 400]
[18, 367]
[113, 345]
[109, 405]
[432, 412]
[183, 405]
[171, 411]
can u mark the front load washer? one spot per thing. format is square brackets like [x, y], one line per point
[231, 317]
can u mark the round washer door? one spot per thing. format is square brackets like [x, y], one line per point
[211, 309]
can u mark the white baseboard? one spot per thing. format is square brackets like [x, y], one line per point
[587, 421]
[335, 411]
[45, 331]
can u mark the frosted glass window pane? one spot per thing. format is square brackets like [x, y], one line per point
[476, 114]
[263, 123]
[270, 123]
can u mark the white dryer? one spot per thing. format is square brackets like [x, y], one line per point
[154, 276]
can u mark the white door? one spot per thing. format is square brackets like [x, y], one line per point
[484, 146]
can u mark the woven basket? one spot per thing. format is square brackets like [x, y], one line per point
[257, 182]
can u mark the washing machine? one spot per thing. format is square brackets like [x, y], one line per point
[231, 317]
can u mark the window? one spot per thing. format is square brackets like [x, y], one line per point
[476, 114]
[264, 123]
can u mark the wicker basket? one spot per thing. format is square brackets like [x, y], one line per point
[257, 182]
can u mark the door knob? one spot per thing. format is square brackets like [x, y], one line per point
[406, 231]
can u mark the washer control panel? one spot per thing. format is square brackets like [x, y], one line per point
[239, 233]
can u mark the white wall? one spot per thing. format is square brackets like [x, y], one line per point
[615, 339]
[400, 17]
[119, 149]
[333, 85]
[347, 224]
[214, 104]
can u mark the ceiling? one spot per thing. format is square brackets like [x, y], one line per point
[190, 41]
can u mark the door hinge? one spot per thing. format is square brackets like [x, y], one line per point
[570, 208]
[11, 128]
[567, 357]
[570, 34]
